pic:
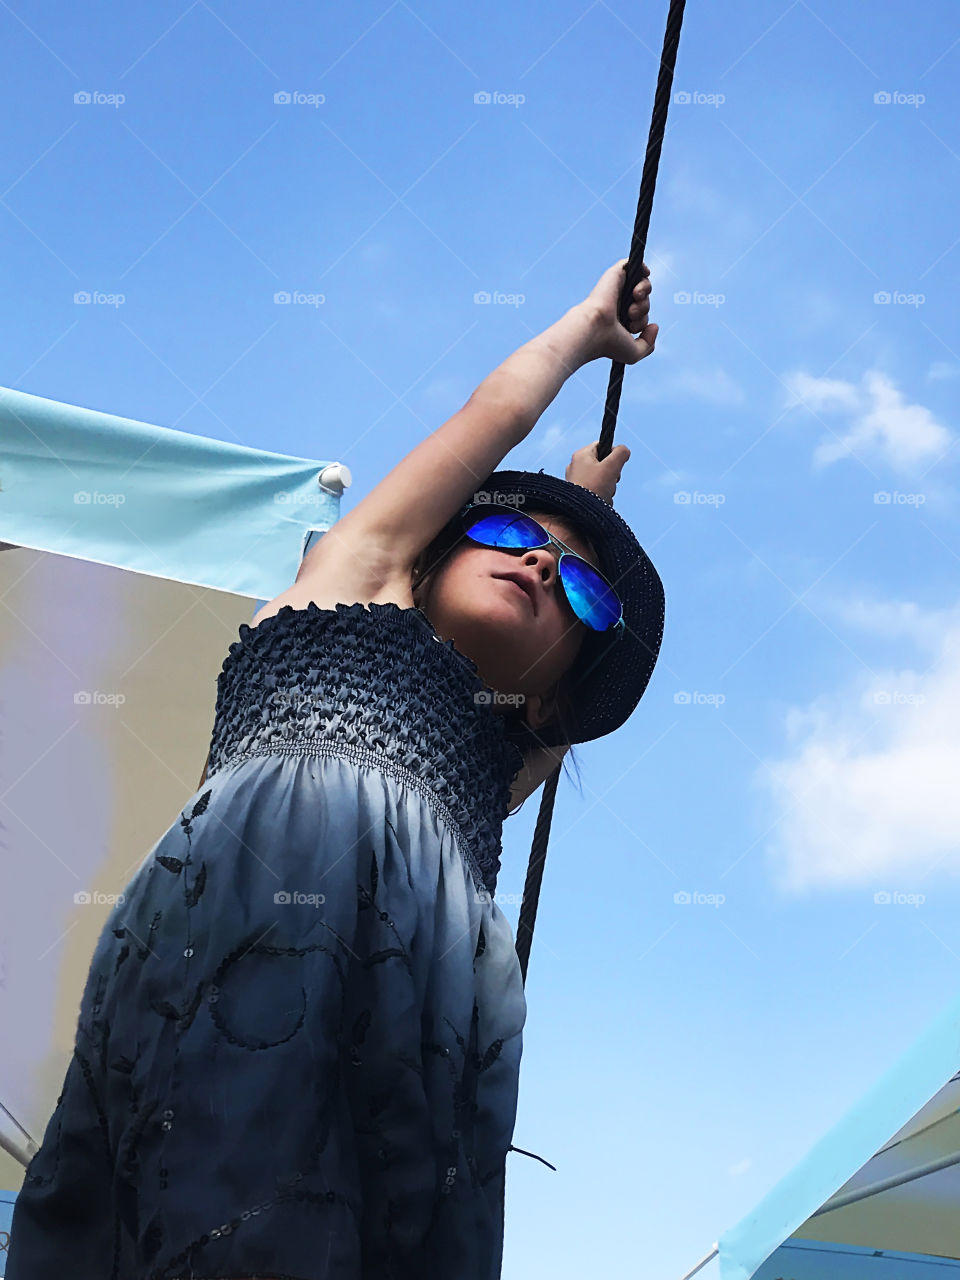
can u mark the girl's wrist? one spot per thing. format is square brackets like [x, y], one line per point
[583, 323]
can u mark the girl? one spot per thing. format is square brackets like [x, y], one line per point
[298, 1046]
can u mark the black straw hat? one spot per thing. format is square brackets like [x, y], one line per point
[613, 668]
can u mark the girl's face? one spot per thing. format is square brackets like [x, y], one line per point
[508, 612]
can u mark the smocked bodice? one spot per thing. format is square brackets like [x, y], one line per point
[372, 684]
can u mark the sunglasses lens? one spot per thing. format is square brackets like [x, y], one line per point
[506, 529]
[591, 599]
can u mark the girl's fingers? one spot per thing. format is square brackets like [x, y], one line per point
[637, 316]
[617, 456]
[640, 306]
[647, 339]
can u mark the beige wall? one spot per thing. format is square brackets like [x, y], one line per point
[87, 788]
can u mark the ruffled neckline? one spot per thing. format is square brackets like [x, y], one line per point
[389, 611]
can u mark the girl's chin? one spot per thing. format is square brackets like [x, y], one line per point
[499, 625]
[509, 602]
[489, 636]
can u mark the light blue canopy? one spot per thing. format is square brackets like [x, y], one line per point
[119, 492]
[890, 1170]
[803, 1260]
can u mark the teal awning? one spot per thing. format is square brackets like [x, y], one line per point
[119, 492]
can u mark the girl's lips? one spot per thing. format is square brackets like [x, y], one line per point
[516, 582]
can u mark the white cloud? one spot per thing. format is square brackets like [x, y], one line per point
[553, 436]
[549, 447]
[715, 385]
[688, 191]
[723, 219]
[669, 479]
[662, 262]
[881, 424]
[941, 370]
[375, 251]
[821, 393]
[892, 619]
[868, 792]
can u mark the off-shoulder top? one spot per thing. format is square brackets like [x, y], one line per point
[375, 685]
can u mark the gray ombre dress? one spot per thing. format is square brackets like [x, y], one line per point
[298, 1047]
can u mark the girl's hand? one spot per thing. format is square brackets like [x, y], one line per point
[601, 477]
[609, 337]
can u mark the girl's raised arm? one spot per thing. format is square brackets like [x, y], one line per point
[399, 517]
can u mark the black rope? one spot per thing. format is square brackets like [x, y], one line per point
[531, 886]
[648, 181]
[633, 276]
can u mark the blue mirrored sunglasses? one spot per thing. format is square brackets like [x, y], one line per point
[588, 593]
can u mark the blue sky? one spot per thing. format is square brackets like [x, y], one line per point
[792, 766]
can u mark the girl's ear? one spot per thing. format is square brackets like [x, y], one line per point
[539, 708]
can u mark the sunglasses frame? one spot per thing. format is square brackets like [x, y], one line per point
[551, 540]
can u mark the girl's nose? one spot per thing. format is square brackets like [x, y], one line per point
[545, 562]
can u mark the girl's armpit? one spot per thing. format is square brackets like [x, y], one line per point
[345, 567]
